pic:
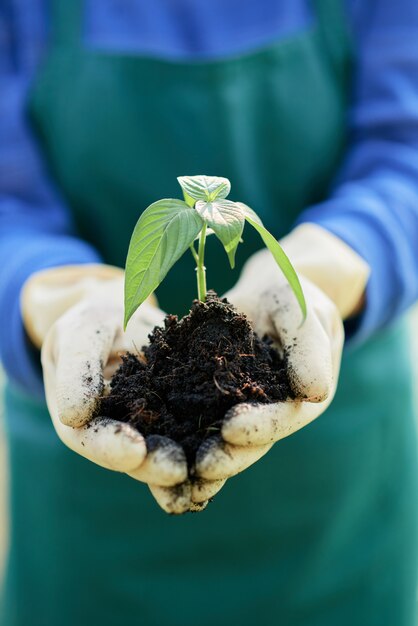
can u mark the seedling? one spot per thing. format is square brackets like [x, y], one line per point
[167, 228]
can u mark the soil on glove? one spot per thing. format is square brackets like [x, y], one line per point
[194, 370]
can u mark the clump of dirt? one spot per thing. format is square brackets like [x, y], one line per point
[194, 370]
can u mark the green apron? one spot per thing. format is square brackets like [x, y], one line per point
[320, 532]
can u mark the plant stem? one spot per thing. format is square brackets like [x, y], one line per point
[195, 256]
[201, 269]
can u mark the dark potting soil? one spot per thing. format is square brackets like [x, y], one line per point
[194, 370]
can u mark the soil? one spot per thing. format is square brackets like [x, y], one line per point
[194, 370]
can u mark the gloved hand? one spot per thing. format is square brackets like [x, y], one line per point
[333, 278]
[75, 314]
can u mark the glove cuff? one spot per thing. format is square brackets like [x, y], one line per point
[48, 294]
[330, 264]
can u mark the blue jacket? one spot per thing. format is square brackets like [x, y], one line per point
[374, 202]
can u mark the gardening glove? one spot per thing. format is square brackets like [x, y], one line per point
[333, 278]
[75, 314]
[189, 496]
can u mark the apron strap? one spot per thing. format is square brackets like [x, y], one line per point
[66, 22]
[335, 33]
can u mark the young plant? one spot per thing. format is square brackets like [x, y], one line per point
[168, 227]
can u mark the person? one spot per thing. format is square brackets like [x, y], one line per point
[311, 110]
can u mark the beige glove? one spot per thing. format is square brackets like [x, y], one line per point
[75, 313]
[333, 278]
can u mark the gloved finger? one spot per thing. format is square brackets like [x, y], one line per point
[165, 464]
[197, 507]
[307, 345]
[82, 344]
[106, 442]
[217, 459]
[203, 490]
[259, 424]
[175, 500]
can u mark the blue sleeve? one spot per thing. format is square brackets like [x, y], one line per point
[374, 203]
[35, 228]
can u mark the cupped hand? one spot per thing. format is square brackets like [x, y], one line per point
[313, 351]
[75, 314]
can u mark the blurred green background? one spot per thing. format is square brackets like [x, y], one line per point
[3, 450]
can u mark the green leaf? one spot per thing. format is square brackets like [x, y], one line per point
[249, 212]
[206, 188]
[227, 220]
[188, 199]
[280, 258]
[162, 234]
